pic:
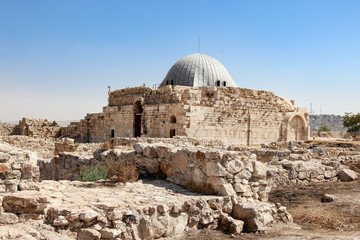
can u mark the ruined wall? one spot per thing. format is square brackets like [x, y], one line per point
[7, 129]
[38, 128]
[237, 116]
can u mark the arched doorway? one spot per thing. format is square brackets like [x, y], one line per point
[296, 129]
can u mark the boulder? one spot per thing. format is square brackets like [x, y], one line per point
[260, 170]
[8, 218]
[256, 215]
[230, 225]
[109, 233]
[4, 157]
[347, 175]
[88, 234]
[19, 204]
[88, 216]
[328, 198]
[226, 189]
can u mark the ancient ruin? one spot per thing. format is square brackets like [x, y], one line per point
[196, 154]
[197, 99]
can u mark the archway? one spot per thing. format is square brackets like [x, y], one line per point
[296, 129]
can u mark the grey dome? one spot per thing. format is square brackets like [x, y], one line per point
[198, 70]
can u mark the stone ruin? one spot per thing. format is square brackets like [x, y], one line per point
[207, 185]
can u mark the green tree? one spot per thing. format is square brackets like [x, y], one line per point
[324, 129]
[352, 122]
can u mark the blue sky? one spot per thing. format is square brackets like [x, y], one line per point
[57, 57]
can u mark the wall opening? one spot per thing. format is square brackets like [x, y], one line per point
[296, 130]
[112, 134]
[172, 82]
[224, 83]
[172, 119]
[167, 82]
[138, 110]
[217, 83]
[172, 133]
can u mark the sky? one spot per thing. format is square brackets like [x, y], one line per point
[58, 57]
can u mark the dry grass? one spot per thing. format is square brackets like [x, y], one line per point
[321, 218]
[105, 146]
[122, 171]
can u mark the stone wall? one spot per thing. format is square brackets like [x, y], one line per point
[43, 147]
[7, 129]
[18, 169]
[38, 128]
[233, 115]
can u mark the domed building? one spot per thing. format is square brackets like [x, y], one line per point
[198, 70]
[197, 99]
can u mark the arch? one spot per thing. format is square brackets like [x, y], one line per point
[224, 83]
[217, 83]
[172, 119]
[296, 130]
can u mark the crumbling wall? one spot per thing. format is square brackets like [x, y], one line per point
[7, 129]
[38, 128]
[18, 169]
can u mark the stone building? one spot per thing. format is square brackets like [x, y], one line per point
[198, 99]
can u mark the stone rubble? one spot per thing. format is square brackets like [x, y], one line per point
[238, 179]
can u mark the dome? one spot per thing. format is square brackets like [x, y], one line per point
[198, 70]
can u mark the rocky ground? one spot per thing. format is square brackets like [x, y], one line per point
[313, 219]
[288, 190]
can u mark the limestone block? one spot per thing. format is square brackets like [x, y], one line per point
[88, 234]
[177, 225]
[20, 204]
[256, 215]
[4, 157]
[234, 166]
[230, 225]
[260, 170]
[109, 233]
[88, 216]
[215, 169]
[244, 174]
[145, 228]
[8, 218]
[60, 221]
[158, 227]
[226, 189]
[28, 185]
[347, 175]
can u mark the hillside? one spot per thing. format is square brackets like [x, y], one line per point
[334, 122]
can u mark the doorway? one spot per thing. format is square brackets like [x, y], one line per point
[137, 125]
[172, 133]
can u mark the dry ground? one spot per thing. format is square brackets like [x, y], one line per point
[312, 218]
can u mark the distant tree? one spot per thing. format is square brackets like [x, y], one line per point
[352, 122]
[324, 129]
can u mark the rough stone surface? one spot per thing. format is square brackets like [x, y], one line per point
[347, 175]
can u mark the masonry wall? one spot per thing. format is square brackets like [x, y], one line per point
[233, 115]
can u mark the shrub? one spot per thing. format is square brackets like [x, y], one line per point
[105, 146]
[92, 174]
[352, 122]
[122, 171]
[324, 129]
